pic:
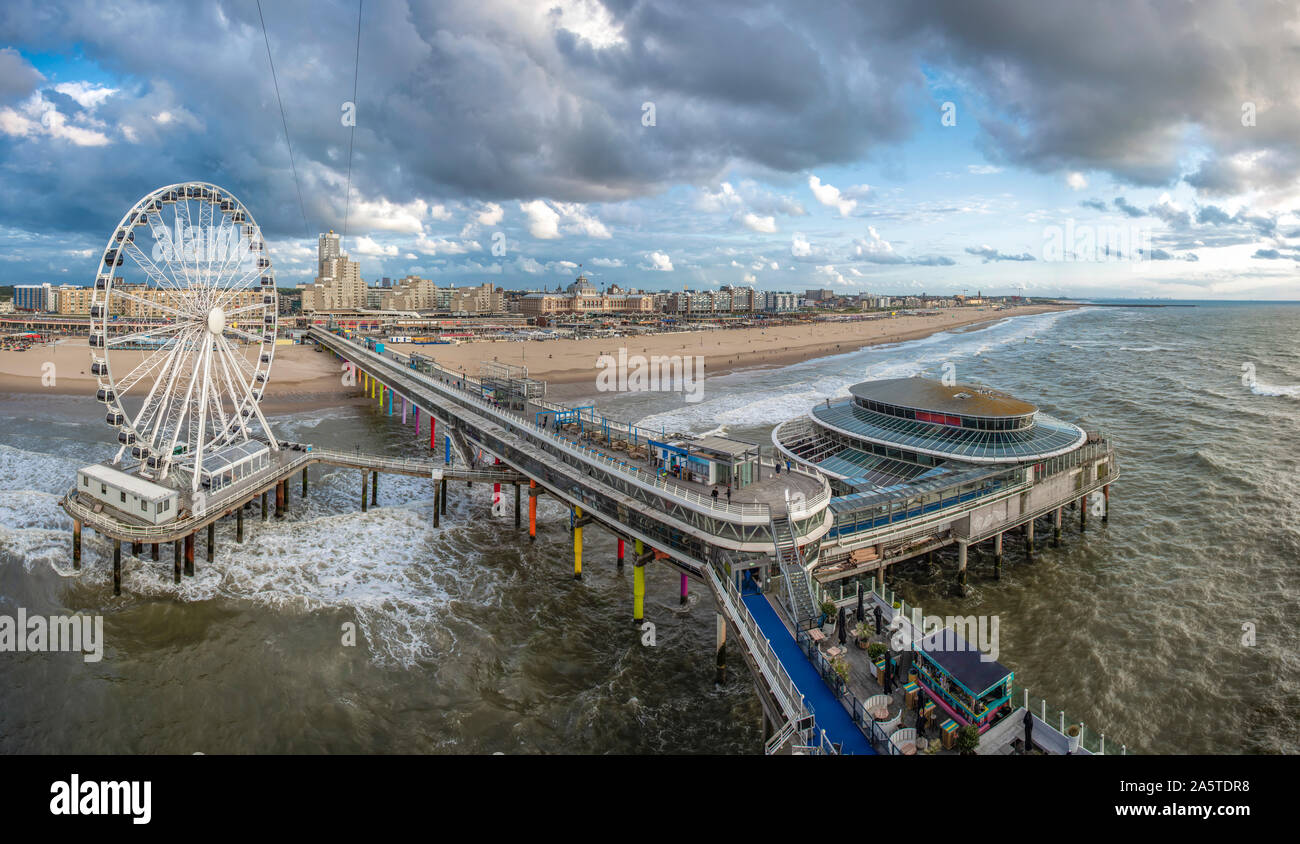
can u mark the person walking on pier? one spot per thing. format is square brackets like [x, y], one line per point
[715, 495]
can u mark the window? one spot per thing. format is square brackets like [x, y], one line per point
[144, 506]
[103, 489]
[124, 497]
[85, 481]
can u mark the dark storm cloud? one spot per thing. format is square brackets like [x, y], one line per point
[17, 77]
[1128, 209]
[988, 253]
[1116, 86]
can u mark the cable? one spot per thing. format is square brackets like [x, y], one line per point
[297, 184]
[347, 202]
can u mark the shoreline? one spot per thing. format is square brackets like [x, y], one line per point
[302, 380]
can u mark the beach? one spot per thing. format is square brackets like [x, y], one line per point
[304, 378]
[573, 362]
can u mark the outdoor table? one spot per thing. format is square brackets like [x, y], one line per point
[927, 711]
[880, 673]
[880, 713]
[909, 749]
[910, 692]
[949, 730]
[816, 634]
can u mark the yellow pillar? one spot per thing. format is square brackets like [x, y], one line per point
[577, 543]
[638, 586]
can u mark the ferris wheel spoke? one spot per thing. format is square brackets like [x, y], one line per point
[151, 304]
[165, 352]
[140, 335]
[256, 406]
[162, 233]
[150, 268]
[244, 334]
[236, 399]
[162, 404]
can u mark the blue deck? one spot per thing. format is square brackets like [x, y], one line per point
[829, 713]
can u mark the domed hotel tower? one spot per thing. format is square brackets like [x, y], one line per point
[916, 465]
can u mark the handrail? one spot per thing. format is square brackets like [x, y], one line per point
[748, 513]
[786, 694]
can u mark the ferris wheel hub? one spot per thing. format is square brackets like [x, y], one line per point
[216, 321]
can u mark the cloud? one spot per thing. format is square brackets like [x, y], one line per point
[875, 249]
[543, 221]
[607, 262]
[86, 94]
[765, 225]
[490, 214]
[18, 79]
[988, 253]
[1075, 181]
[982, 169]
[1095, 204]
[659, 262]
[830, 196]
[1127, 208]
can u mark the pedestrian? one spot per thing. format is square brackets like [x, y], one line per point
[715, 495]
[728, 493]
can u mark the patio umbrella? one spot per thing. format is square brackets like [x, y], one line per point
[1029, 731]
[876, 610]
[842, 623]
[889, 674]
[861, 613]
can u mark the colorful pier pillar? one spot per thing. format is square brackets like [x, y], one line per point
[446, 450]
[433, 433]
[403, 410]
[532, 511]
[1105, 513]
[577, 543]
[685, 594]
[620, 552]
[638, 584]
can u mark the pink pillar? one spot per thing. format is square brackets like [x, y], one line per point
[417, 420]
[683, 589]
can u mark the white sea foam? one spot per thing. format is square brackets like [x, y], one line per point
[1290, 391]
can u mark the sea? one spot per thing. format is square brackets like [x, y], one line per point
[1171, 628]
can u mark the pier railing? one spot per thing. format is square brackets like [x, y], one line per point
[746, 513]
[799, 719]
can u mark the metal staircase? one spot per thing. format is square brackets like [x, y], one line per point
[798, 590]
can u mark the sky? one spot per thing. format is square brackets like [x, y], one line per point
[1105, 149]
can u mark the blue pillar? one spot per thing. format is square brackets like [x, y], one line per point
[390, 402]
[446, 454]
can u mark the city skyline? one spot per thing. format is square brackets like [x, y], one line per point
[914, 154]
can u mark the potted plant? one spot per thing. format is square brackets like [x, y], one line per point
[876, 650]
[841, 669]
[968, 738]
[828, 610]
[862, 634]
[1073, 734]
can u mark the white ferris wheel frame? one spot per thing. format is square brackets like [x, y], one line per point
[205, 394]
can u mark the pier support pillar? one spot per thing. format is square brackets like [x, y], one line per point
[518, 515]
[154, 552]
[577, 543]
[189, 555]
[720, 676]
[374, 488]
[304, 483]
[532, 511]
[1105, 513]
[117, 567]
[437, 503]
[239, 525]
[76, 543]
[961, 569]
[1056, 526]
[1083, 514]
[176, 561]
[443, 484]
[136, 548]
[433, 433]
[265, 515]
[685, 587]
[364, 500]
[1029, 540]
[620, 552]
[279, 500]
[997, 557]
[212, 540]
[638, 584]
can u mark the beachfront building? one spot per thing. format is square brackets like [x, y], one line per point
[917, 465]
[338, 284]
[778, 302]
[582, 297]
[33, 297]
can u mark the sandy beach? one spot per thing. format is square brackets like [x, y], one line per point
[571, 363]
[303, 378]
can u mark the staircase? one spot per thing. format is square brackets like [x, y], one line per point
[798, 590]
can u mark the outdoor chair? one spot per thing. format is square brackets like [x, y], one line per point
[903, 739]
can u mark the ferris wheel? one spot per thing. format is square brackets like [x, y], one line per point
[183, 327]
